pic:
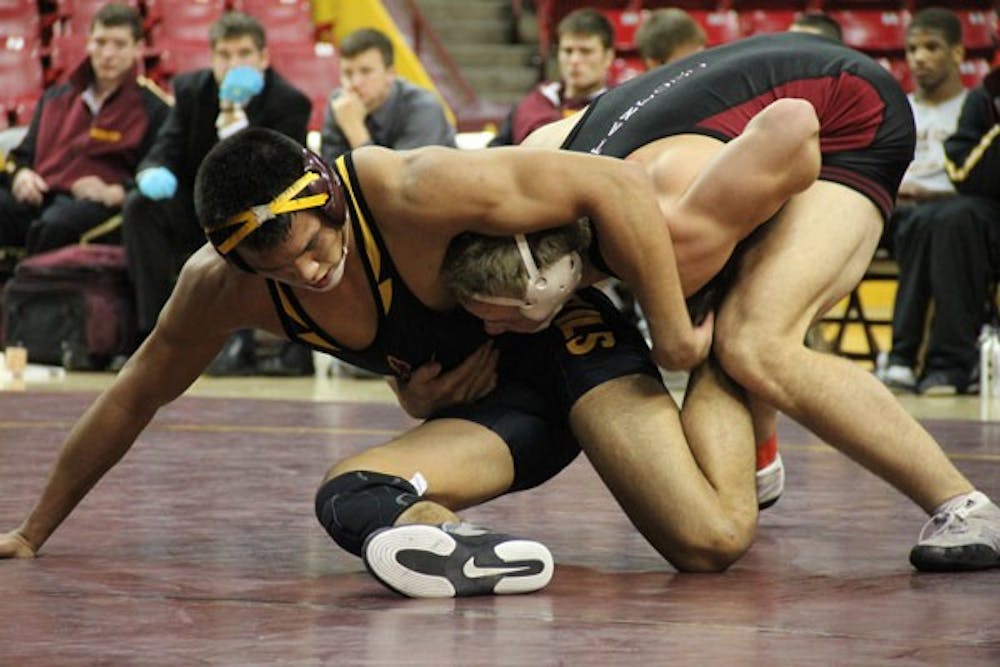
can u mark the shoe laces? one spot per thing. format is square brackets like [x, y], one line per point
[950, 520]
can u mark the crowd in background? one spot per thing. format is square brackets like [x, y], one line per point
[109, 142]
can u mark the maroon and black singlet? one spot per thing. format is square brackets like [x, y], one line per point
[866, 126]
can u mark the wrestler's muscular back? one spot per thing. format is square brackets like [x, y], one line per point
[672, 163]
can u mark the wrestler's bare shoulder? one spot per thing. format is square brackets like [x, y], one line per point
[211, 288]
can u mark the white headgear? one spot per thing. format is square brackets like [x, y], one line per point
[547, 290]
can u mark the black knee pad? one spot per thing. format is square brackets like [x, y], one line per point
[353, 505]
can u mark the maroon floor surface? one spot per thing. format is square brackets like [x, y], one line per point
[201, 548]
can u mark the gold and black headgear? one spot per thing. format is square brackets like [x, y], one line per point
[319, 187]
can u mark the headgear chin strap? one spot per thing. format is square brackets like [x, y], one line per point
[547, 290]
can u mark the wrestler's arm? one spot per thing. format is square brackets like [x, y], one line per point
[192, 328]
[507, 191]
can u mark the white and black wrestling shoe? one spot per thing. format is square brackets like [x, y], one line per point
[455, 560]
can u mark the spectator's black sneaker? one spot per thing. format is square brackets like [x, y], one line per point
[236, 358]
[963, 535]
[455, 560]
[949, 383]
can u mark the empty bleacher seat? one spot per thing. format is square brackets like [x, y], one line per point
[759, 21]
[624, 68]
[720, 26]
[900, 70]
[174, 57]
[979, 29]
[286, 21]
[626, 23]
[873, 29]
[65, 53]
[21, 82]
[313, 69]
[973, 71]
[20, 30]
[187, 21]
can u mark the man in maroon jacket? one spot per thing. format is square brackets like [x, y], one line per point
[87, 136]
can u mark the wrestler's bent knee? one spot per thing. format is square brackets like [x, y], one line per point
[354, 504]
[713, 553]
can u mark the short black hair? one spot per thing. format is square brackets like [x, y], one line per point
[250, 168]
[364, 39]
[233, 25]
[822, 23]
[939, 20]
[113, 15]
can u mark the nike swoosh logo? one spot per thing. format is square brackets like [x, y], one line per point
[473, 571]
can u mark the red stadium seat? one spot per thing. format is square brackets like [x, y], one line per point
[65, 53]
[21, 81]
[623, 69]
[873, 29]
[973, 71]
[759, 21]
[900, 70]
[286, 21]
[183, 20]
[979, 29]
[626, 23]
[20, 30]
[315, 70]
[181, 56]
[720, 26]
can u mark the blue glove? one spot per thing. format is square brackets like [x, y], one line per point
[157, 183]
[240, 84]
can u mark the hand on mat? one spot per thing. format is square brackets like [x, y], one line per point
[13, 545]
[157, 183]
[428, 390]
[240, 84]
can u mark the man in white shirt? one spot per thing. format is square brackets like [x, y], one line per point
[934, 235]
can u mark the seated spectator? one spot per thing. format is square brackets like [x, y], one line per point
[939, 237]
[160, 228]
[375, 106]
[72, 169]
[585, 53]
[667, 35]
[817, 23]
[973, 164]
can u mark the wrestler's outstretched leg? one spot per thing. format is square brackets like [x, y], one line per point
[813, 253]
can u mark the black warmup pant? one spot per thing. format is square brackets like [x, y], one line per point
[945, 256]
[158, 236]
[58, 222]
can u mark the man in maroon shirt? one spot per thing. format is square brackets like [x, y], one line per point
[585, 53]
[73, 167]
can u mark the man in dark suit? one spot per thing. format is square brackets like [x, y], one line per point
[160, 228]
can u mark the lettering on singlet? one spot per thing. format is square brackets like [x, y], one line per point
[638, 104]
[582, 327]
